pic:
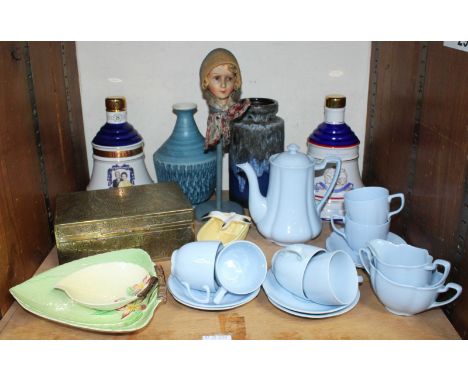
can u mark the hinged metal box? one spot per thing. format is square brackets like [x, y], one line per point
[157, 218]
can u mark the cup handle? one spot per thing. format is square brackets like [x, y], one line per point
[443, 263]
[366, 264]
[201, 300]
[444, 289]
[290, 250]
[219, 295]
[338, 231]
[402, 197]
[321, 166]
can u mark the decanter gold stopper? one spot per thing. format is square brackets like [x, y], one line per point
[335, 101]
[116, 104]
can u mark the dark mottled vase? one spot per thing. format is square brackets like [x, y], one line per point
[182, 158]
[255, 136]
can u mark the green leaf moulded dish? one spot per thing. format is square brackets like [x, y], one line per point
[39, 296]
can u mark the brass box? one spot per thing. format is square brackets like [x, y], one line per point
[157, 218]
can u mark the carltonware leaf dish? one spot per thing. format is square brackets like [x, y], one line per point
[335, 242]
[38, 295]
[282, 297]
[106, 286]
[230, 300]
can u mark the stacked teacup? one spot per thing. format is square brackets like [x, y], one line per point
[312, 274]
[209, 273]
[367, 215]
[405, 278]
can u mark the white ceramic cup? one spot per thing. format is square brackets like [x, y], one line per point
[404, 263]
[406, 300]
[331, 278]
[357, 235]
[289, 264]
[193, 265]
[371, 205]
[240, 268]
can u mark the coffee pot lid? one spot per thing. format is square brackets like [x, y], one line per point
[292, 158]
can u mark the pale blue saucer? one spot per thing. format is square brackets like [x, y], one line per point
[229, 301]
[345, 309]
[335, 242]
[286, 299]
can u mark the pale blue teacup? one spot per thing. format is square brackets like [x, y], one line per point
[406, 300]
[331, 279]
[193, 265]
[357, 235]
[288, 265]
[371, 205]
[404, 263]
[240, 268]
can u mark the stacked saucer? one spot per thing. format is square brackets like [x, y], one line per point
[230, 300]
[309, 282]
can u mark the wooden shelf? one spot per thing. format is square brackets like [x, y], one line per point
[257, 320]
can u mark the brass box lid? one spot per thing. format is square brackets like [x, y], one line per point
[106, 213]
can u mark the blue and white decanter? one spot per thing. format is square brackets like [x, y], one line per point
[335, 137]
[118, 155]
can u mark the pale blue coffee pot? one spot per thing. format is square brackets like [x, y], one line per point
[289, 213]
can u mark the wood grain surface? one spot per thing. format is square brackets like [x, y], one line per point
[393, 95]
[255, 320]
[42, 151]
[24, 232]
[417, 143]
[65, 169]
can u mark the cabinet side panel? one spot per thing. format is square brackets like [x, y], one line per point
[393, 95]
[65, 169]
[24, 235]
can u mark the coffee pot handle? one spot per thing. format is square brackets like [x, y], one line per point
[321, 166]
[444, 289]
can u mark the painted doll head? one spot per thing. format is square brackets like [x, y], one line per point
[220, 78]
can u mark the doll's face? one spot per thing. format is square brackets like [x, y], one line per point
[221, 82]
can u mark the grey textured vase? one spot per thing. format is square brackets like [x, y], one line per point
[257, 135]
[182, 158]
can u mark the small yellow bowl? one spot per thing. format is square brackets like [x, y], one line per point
[224, 227]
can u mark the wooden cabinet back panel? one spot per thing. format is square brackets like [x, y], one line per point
[417, 143]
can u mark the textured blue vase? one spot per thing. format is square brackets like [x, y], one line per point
[255, 136]
[182, 157]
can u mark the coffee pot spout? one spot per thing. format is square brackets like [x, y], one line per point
[257, 202]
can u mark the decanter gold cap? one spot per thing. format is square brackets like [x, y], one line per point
[116, 104]
[335, 101]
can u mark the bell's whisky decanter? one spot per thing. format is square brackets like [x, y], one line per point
[118, 151]
[335, 137]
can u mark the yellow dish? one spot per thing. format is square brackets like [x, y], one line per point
[224, 227]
